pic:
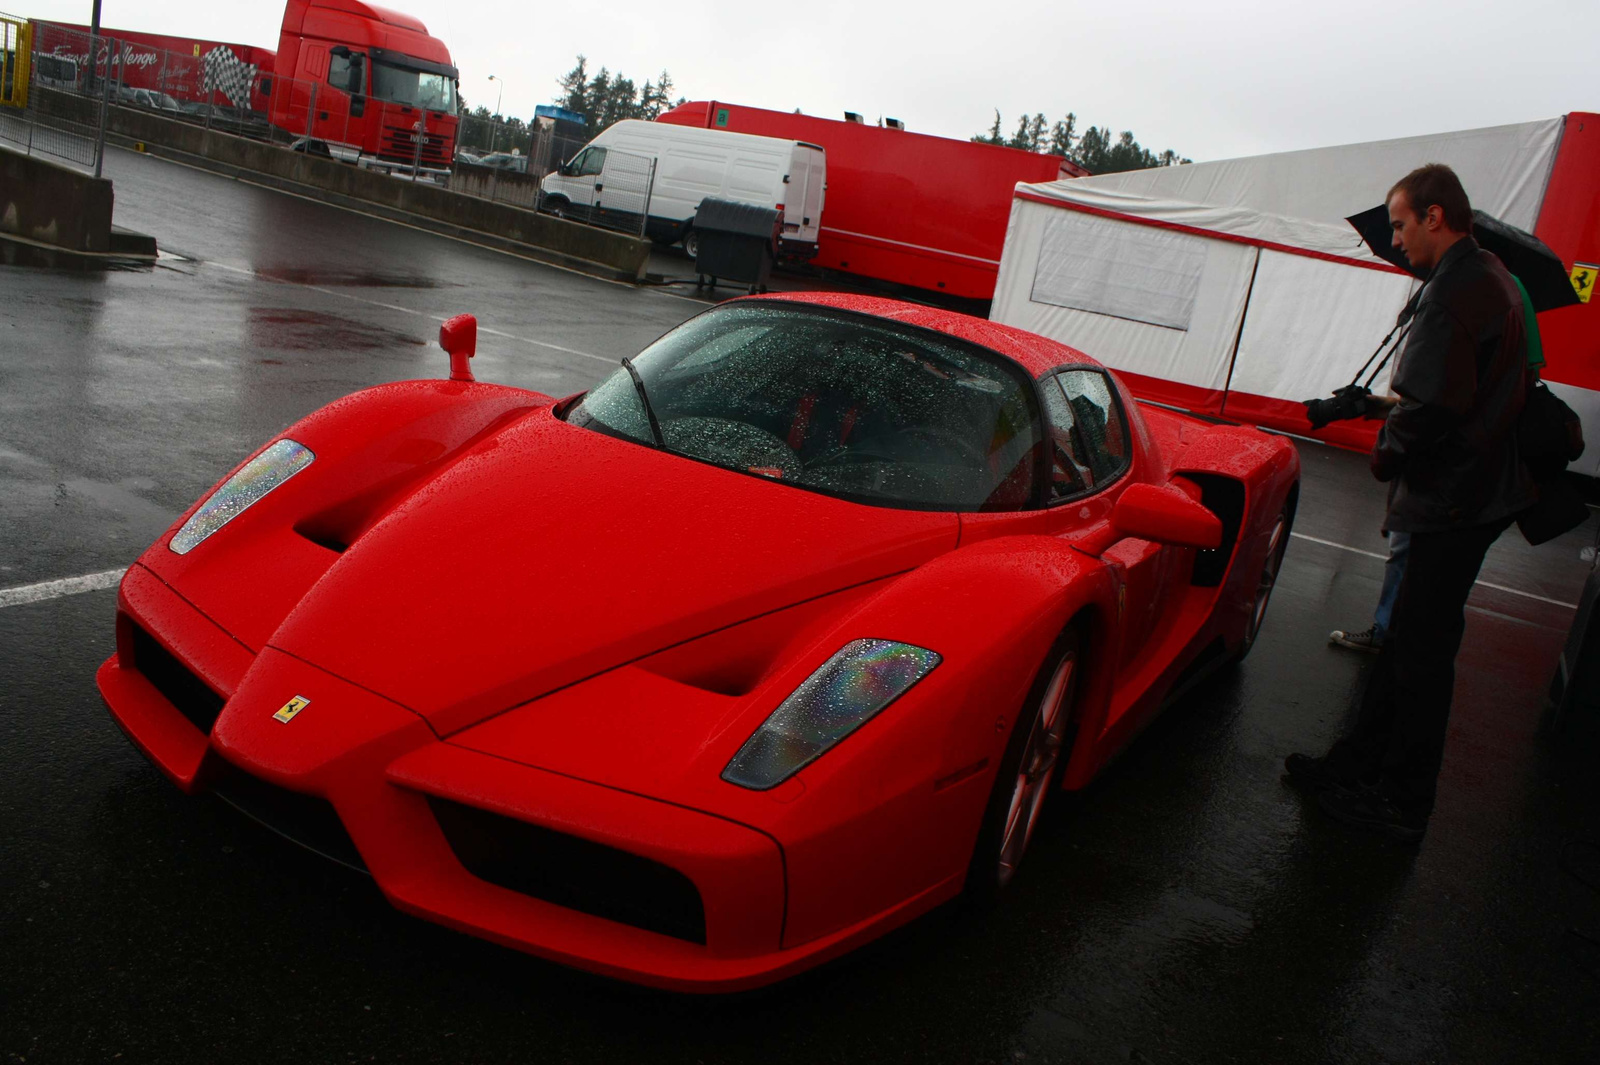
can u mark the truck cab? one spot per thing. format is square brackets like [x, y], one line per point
[368, 82]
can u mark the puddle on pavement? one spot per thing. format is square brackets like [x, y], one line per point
[350, 278]
[292, 329]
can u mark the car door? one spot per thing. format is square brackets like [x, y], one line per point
[1090, 455]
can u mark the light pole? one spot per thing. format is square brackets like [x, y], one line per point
[495, 129]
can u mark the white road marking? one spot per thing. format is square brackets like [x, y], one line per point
[34, 593]
[1385, 558]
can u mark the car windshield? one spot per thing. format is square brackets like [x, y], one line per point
[853, 406]
[402, 85]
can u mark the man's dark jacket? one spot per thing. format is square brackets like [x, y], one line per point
[1450, 444]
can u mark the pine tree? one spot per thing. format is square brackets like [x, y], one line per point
[1062, 134]
[575, 88]
[993, 136]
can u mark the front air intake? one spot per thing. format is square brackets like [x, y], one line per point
[175, 681]
[307, 820]
[569, 871]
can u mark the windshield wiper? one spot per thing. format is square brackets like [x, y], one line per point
[644, 397]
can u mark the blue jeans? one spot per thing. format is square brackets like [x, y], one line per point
[1393, 571]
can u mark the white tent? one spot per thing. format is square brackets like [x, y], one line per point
[1237, 287]
[1223, 309]
[1504, 168]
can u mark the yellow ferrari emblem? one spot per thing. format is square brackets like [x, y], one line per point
[1583, 277]
[291, 708]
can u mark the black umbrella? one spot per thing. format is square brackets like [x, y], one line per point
[1540, 270]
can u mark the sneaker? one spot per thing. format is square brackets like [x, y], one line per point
[1367, 641]
[1369, 809]
[1311, 775]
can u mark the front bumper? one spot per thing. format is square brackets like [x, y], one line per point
[437, 824]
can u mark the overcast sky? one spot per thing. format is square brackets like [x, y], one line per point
[1209, 80]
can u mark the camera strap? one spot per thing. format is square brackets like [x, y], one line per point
[1402, 326]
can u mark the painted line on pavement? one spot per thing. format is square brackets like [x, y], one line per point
[1385, 558]
[34, 593]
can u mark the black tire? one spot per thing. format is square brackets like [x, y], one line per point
[558, 206]
[1267, 580]
[691, 243]
[1044, 739]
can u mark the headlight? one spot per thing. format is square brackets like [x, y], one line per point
[260, 475]
[847, 691]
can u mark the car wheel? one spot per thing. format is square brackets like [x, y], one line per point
[1041, 739]
[557, 207]
[1268, 579]
[691, 244]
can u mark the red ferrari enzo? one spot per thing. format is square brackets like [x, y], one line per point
[779, 637]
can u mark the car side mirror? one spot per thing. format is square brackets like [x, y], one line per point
[459, 338]
[1164, 514]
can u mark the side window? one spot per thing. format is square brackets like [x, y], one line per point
[592, 162]
[1099, 420]
[1088, 436]
[347, 72]
[1070, 475]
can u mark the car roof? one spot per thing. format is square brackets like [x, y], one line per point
[1036, 354]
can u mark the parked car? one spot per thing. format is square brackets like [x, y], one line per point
[690, 165]
[511, 161]
[777, 638]
[149, 99]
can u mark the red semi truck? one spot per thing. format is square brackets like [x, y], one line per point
[367, 82]
[907, 208]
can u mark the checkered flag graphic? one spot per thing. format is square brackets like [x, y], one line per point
[228, 74]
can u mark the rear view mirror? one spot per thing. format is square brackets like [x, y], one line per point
[1165, 515]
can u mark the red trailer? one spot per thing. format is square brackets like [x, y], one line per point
[367, 82]
[904, 207]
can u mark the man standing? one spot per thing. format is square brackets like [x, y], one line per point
[1448, 450]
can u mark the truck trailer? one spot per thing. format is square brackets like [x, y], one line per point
[366, 82]
[906, 208]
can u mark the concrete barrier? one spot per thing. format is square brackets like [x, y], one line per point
[418, 203]
[505, 186]
[54, 205]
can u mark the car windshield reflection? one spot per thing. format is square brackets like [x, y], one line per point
[833, 402]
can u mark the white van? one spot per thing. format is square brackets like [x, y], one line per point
[607, 178]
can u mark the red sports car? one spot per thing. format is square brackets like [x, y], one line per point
[777, 638]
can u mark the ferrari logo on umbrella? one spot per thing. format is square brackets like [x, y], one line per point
[292, 707]
[1583, 277]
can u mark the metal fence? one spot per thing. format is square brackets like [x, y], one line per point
[51, 104]
[58, 86]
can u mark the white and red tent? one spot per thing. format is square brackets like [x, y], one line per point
[1236, 287]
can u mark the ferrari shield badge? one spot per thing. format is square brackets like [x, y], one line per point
[1583, 278]
[291, 708]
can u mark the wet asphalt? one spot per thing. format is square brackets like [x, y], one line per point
[1186, 908]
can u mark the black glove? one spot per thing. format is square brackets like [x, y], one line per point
[1347, 402]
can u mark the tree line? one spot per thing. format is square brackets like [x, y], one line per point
[602, 99]
[1096, 150]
